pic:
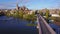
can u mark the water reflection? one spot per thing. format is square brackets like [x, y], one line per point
[15, 26]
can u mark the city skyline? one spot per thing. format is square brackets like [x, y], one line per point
[31, 4]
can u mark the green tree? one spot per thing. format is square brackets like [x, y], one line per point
[59, 12]
[47, 13]
[27, 17]
[30, 17]
[21, 13]
[33, 17]
[16, 14]
[41, 13]
[8, 14]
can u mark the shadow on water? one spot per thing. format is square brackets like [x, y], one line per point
[15, 26]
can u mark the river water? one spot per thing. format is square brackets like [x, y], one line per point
[15, 26]
[55, 27]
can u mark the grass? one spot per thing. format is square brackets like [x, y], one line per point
[31, 25]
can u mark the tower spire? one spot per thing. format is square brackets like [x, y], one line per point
[17, 7]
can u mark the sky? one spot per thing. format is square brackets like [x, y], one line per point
[31, 4]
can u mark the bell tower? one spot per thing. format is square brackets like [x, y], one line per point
[17, 7]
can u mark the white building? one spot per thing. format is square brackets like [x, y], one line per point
[55, 15]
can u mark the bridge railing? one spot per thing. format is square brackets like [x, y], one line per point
[44, 26]
[38, 26]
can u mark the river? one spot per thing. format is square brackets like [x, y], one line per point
[10, 25]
